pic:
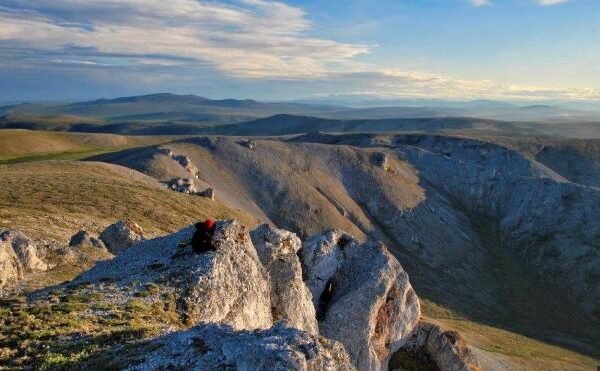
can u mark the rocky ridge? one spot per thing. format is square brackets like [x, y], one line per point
[250, 307]
[261, 300]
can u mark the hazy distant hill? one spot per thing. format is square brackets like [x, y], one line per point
[374, 108]
[156, 108]
[170, 114]
[290, 125]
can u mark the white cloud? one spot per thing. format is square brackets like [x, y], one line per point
[480, 2]
[249, 39]
[253, 38]
[550, 2]
[399, 83]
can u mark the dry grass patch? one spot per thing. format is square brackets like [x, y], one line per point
[55, 199]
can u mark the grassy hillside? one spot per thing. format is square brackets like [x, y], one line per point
[25, 145]
[51, 200]
[55, 199]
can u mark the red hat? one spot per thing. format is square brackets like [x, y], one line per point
[209, 224]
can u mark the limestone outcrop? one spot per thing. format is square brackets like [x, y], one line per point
[228, 286]
[183, 160]
[183, 185]
[291, 301]
[219, 347]
[187, 164]
[121, 235]
[363, 285]
[18, 256]
[264, 300]
[430, 345]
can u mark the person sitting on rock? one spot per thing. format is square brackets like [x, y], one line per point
[202, 239]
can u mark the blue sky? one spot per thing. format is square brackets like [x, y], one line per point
[274, 50]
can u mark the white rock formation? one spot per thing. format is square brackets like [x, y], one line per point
[291, 301]
[183, 185]
[121, 235]
[236, 289]
[18, 256]
[446, 349]
[322, 258]
[365, 286]
[228, 286]
[187, 164]
[218, 347]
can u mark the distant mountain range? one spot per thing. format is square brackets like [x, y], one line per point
[189, 114]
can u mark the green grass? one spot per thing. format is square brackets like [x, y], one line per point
[18, 145]
[73, 330]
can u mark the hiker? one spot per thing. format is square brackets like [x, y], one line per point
[202, 239]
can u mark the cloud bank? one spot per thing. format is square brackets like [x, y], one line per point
[260, 42]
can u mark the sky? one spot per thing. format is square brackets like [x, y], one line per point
[513, 50]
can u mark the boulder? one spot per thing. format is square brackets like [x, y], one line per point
[363, 285]
[207, 193]
[219, 347]
[228, 285]
[183, 185]
[291, 301]
[83, 238]
[381, 160]
[166, 151]
[443, 350]
[187, 163]
[121, 235]
[18, 256]
[251, 144]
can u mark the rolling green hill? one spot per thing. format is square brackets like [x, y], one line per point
[18, 145]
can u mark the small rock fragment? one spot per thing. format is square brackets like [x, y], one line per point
[83, 238]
